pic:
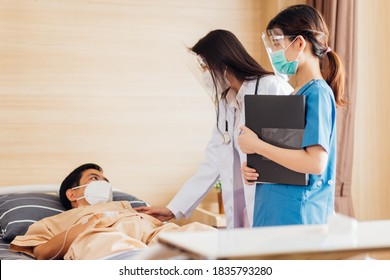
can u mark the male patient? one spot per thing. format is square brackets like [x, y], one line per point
[94, 226]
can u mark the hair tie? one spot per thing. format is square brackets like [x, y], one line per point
[327, 50]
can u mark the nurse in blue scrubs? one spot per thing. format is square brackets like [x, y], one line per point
[297, 43]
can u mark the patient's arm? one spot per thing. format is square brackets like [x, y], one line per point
[57, 247]
[161, 213]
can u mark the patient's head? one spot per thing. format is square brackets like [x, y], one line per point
[73, 187]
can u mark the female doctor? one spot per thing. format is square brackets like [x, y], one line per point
[229, 73]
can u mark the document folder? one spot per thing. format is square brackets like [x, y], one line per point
[280, 121]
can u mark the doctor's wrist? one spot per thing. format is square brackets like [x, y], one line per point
[176, 214]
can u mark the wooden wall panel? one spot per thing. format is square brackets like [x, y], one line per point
[371, 176]
[107, 81]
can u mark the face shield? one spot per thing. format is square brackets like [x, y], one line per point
[203, 75]
[275, 41]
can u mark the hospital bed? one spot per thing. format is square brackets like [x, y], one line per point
[341, 238]
[21, 206]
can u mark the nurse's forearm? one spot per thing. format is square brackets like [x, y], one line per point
[313, 160]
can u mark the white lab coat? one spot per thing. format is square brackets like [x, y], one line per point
[219, 157]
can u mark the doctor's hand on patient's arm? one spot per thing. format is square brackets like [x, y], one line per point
[249, 174]
[161, 213]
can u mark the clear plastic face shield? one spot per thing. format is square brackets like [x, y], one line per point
[275, 41]
[201, 71]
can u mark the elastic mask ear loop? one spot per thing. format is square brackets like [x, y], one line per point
[289, 46]
[299, 55]
[79, 187]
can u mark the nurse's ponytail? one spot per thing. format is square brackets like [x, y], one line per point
[306, 21]
[333, 72]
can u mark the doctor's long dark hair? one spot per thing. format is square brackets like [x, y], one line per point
[222, 52]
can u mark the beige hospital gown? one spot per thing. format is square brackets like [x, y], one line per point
[122, 229]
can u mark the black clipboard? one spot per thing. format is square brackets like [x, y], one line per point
[280, 121]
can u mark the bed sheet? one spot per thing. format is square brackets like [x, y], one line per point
[6, 254]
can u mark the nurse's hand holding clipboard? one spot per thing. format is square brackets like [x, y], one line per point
[248, 141]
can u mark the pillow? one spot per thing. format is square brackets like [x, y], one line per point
[120, 196]
[19, 210]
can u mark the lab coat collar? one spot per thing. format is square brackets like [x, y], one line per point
[235, 100]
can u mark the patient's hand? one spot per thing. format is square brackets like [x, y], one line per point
[161, 213]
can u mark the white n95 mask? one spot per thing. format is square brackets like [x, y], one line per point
[214, 90]
[96, 192]
[202, 73]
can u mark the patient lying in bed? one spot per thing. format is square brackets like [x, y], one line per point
[93, 227]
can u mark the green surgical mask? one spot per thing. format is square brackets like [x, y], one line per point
[279, 61]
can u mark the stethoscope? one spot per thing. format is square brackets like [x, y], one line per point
[225, 135]
[226, 139]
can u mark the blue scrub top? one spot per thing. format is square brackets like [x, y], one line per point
[277, 204]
